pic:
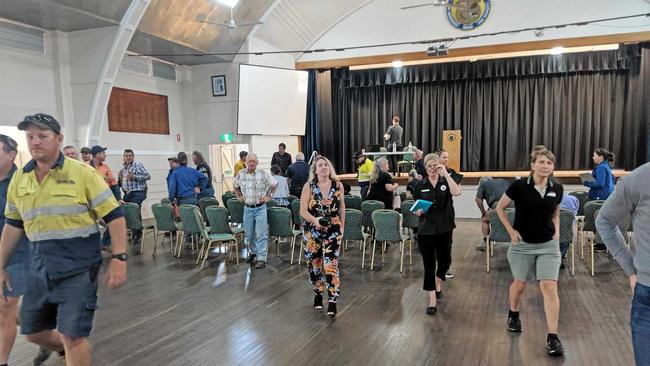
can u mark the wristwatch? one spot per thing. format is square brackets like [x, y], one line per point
[121, 256]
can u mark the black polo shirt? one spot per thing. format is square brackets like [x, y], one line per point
[439, 219]
[534, 213]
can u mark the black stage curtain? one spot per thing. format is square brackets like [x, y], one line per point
[571, 103]
[319, 110]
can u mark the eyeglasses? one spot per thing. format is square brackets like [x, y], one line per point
[11, 143]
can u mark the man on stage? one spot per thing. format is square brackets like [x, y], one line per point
[394, 136]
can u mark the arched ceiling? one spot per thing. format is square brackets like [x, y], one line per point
[175, 27]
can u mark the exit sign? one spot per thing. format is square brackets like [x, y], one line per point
[226, 137]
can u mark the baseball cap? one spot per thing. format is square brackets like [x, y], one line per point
[11, 143]
[85, 150]
[173, 158]
[358, 154]
[97, 149]
[42, 120]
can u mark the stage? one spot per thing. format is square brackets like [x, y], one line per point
[569, 177]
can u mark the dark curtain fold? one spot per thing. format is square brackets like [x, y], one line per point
[319, 110]
[571, 103]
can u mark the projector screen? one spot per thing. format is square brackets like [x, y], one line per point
[271, 101]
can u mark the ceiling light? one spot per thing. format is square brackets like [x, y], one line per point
[557, 50]
[398, 63]
[230, 3]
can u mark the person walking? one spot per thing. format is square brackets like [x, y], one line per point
[535, 250]
[323, 208]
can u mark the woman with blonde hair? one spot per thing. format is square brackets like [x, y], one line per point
[535, 250]
[436, 226]
[323, 208]
[382, 187]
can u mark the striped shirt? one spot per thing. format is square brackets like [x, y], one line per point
[140, 177]
[60, 214]
[254, 186]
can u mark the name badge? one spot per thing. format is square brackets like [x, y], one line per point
[551, 194]
[425, 190]
[443, 188]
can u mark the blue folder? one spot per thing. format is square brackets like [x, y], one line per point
[423, 205]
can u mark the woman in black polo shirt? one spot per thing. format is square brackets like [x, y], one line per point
[535, 249]
[436, 226]
[382, 187]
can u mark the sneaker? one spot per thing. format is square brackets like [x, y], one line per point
[562, 266]
[554, 347]
[481, 247]
[600, 248]
[331, 309]
[318, 301]
[42, 356]
[251, 259]
[260, 264]
[514, 324]
[449, 275]
[432, 310]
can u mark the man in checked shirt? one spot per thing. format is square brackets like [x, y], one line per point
[254, 187]
[133, 179]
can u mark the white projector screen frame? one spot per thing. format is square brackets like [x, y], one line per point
[272, 101]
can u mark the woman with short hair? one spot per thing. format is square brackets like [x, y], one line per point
[535, 251]
[436, 226]
[382, 187]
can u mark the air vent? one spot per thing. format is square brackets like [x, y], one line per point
[136, 64]
[163, 70]
[21, 37]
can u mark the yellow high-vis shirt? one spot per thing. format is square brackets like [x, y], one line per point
[364, 171]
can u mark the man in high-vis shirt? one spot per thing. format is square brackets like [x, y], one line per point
[56, 202]
[365, 168]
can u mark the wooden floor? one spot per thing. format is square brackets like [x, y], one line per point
[169, 313]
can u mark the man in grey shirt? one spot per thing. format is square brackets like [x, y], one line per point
[491, 191]
[632, 197]
[394, 136]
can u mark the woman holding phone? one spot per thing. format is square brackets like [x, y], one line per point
[436, 226]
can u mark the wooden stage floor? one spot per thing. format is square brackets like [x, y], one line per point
[169, 313]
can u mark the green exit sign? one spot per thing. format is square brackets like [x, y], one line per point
[226, 137]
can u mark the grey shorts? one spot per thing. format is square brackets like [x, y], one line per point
[535, 261]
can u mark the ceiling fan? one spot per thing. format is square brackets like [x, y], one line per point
[231, 24]
[445, 3]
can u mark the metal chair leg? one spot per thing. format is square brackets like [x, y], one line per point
[487, 256]
[401, 261]
[372, 261]
[573, 259]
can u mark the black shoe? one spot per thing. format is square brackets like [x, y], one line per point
[260, 264]
[42, 356]
[514, 324]
[481, 247]
[432, 310]
[554, 347]
[562, 266]
[600, 248]
[438, 294]
[318, 301]
[331, 309]
[251, 259]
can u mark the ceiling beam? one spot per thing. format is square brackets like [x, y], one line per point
[478, 50]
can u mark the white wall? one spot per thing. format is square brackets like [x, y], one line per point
[27, 85]
[382, 21]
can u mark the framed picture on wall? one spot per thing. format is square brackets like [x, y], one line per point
[219, 85]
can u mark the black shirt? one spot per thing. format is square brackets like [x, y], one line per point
[439, 219]
[379, 192]
[411, 186]
[298, 173]
[419, 167]
[205, 170]
[283, 161]
[534, 214]
[457, 177]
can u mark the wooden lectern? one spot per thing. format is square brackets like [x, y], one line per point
[451, 143]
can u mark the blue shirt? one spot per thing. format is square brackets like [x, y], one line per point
[183, 181]
[570, 203]
[603, 184]
[22, 250]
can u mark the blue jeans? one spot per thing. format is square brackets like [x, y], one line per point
[256, 226]
[640, 323]
[189, 200]
[207, 192]
[564, 248]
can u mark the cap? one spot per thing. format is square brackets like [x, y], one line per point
[97, 149]
[11, 143]
[358, 154]
[43, 121]
[85, 150]
[173, 158]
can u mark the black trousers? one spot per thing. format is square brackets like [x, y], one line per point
[436, 257]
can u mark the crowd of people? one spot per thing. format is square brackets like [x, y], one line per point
[50, 249]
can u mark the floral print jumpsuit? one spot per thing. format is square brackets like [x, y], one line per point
[322, 246]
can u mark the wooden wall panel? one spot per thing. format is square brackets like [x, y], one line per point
[136, 111]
